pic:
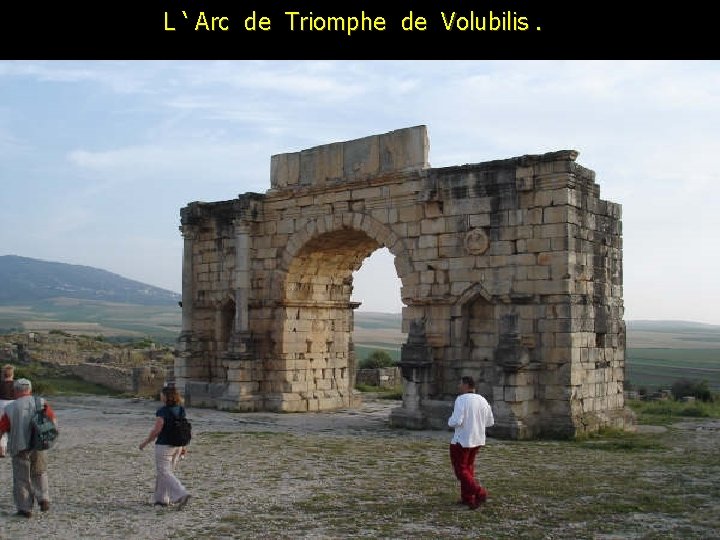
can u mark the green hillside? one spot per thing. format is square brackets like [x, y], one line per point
[24, 280]
[38, 295]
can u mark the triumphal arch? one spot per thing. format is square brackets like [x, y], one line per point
[511, 272]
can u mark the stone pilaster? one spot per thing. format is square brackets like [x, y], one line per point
[242, 276]
[189, 234]
[183, 360]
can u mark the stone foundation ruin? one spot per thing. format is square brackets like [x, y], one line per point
[511, 272]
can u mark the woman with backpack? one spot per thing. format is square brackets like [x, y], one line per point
[168, 489]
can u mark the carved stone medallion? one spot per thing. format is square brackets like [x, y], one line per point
[476, 242]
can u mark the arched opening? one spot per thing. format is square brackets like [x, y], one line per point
[317, 354]
[378, 319]
[376, 284]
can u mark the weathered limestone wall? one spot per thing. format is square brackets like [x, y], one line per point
[137, 371]
[381, 377]
[113, 377]
[511, 272]
[145, 381]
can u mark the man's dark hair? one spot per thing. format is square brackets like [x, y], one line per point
[468, 380]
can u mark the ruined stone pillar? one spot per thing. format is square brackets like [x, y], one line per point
[189, 233]
[415, 365]
[240, 389]
[242, 276]
[239, 339]
[182, 361]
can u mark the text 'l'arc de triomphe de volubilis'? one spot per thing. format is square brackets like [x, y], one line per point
[511, 272]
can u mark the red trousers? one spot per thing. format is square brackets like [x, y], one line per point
[463, 462]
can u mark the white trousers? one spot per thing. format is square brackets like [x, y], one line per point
[167, 487]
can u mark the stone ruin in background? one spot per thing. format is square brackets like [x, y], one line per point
[511, 272]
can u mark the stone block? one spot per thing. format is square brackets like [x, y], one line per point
[427, 241]
[533, 245]
[361, 157]
[322, 163]
[405, 189]
[433, 209]
[432, 226]
[538, 272]
[404, 149]
[479, 220]
[284, 170]
[518, 393]
[555, 214]
[553, 197]
[522, 378]
[556, 392]
[410, 213]
[291, 403]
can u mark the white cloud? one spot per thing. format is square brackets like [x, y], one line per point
[183, 163]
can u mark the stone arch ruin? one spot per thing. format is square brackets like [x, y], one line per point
[511, 272]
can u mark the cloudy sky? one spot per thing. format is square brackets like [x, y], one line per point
[97, 158]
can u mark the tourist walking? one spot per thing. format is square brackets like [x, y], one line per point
[168, 489]
[7, 394]
[30, 478]
[471, 415]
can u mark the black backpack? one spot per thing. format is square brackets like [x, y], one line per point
[179, 429]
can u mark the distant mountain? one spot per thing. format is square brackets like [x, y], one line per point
[26, 280]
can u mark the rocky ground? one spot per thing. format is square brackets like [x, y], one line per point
[346, 474]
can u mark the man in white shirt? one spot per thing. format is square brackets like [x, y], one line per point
[471, 415]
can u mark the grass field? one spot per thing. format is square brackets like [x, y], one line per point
[161, 323]
[655, 368]
[662, 352]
